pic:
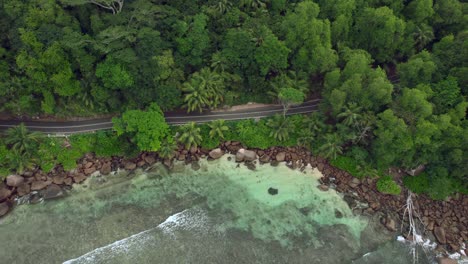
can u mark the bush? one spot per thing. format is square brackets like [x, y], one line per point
[207, 141]
[347, 164]
[387, 185]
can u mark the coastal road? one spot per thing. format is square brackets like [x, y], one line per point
[64, 128]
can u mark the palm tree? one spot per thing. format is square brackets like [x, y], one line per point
[168, 147]
[19, 138]
[332, 146]
[423, 35]
[217, 128]
[205, 88]
[281, 127]
[19, 161]
[222, 6]
[255, 4]
[190, 135]
[351, 115]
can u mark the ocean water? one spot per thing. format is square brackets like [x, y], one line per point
[222, 213]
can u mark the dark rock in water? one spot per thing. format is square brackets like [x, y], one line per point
[195, 166]
[272, 191]
[323, 187]
[52, 191]
[350, 201]
[305, 210]
[4, 208]
[229, 158]
[338, 214]
[250, 166]
[446, 261]
[274, 163]
[35, 198]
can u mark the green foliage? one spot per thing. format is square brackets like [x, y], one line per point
[113, 75]
[168, 148]
[348, 164]
[280, 127]
[419, 69]
[387, 185]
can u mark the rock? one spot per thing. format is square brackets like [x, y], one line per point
[439, 233]
[390, 224]
[323, 187]
[4, 192]
[52, 191]
[193, 150]
[14, 180]
[265, 158]
[58, 179]
[216, 153]
[245, 155]
[446, 261]
[23, 189]
[195, 165]
[239, 156]
[130, 165]
[88, 164]
[106, 168]
[150, 159]
[274, 163]
[4, 208]
[272, 191]
[89, 171]
[354, 183]
[280, 156]
[79, 178]
[39, 185]
[68, 181]
[141, 163]
[168, 163]
[181, 157]
[430, 225]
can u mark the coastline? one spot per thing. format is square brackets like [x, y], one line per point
[444, 220]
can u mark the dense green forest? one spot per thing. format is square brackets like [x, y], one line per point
[392, 75]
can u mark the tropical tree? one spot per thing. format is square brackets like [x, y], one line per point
[423, 35]
[19, 138]
[168, 147]
[289, 97]
[331, 147]
[217, 128]
[204, 89]
[190, 135]
[281, 127]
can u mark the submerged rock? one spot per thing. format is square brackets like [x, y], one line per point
[52, 191]
[272, 191]
[4, 208]
[195, 165]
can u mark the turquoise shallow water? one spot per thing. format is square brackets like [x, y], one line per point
[219, 214]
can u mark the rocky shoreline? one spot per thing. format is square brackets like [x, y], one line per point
[444, 221]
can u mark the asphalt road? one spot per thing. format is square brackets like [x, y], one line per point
[74, 127]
